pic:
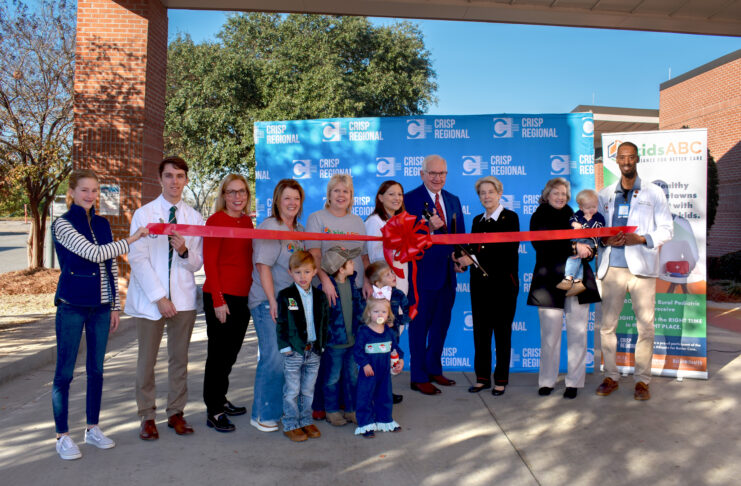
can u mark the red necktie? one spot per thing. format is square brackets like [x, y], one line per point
[440, 212]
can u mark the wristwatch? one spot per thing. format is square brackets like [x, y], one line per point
[184, 254]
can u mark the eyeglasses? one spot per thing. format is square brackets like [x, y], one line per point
[241, 192]
[437, 175]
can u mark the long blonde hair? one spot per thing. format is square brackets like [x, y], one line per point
[74, 179]
[220, 202]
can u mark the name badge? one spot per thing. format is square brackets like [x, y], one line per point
[623, 210]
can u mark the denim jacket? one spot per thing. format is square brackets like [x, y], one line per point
[337, 330]
[399, 300]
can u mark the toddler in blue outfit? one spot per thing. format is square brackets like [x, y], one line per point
[586, 217]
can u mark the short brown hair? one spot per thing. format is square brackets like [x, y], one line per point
[74, 179]
[556, 181]
[176, 162]
[301, 258]
[374, 271]
[282, 185]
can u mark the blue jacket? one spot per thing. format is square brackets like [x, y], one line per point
[337, 330]
[79, 281]
[436, 269]
[399, 299]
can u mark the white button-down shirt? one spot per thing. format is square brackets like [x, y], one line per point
[148, 259]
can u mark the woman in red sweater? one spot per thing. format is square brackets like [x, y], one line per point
[228, 266]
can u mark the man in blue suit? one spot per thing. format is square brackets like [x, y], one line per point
[436, 280]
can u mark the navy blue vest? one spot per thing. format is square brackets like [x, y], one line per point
[79, 282]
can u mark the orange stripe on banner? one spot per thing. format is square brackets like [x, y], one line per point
[666, 362]
[683, 363]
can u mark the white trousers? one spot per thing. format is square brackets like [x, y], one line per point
[551, 323]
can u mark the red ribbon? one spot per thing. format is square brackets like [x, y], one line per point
[405, 239]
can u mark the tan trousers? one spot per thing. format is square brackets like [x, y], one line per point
[642, 290]
[179, 330]
[551, 325]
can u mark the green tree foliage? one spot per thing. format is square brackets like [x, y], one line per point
[37, 47]
[278, 67]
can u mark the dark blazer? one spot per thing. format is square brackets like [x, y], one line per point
[291, 324]
[500, 260]
[550, 261]
[79, 280]
[436, 268]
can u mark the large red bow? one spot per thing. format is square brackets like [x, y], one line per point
[405, 239]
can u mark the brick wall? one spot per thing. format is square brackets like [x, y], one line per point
[119, 106]
[710, 97]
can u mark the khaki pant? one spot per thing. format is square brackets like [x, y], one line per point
[642, 290]
[179, 330]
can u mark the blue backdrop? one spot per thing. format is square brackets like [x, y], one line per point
[523, 151]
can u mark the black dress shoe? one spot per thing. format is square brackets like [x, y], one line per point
[478, 387]
[232, 410]
[496, 392]
[220, 423]
[397, 398]
[570, 392]
[544, 391]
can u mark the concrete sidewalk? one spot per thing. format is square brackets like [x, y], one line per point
[686, 434]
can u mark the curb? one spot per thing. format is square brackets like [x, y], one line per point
[48, 354]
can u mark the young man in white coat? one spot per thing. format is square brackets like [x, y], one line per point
[162, 292]
[630, 262]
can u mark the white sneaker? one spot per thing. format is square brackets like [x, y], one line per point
[96, 437]
[266, 426]
[67, 449]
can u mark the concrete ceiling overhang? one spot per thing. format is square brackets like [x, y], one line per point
[712, 17]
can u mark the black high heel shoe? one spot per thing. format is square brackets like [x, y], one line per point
[497, 393]
[478, 387]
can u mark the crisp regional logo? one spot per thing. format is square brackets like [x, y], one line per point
[387, 166]
[560, 165]
[331, 132]
[508, 201]
[417, 129]
[587, 128]
[504, 128]
[302, 169]
[467, 321]
[473, 165]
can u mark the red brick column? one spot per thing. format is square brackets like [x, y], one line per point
[120, 71]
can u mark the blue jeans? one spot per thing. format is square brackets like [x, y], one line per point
[300, 370]
[340, 363]
[69, 324]
[268, 392]
[574, 268]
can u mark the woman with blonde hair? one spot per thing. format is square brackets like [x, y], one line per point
[87, 297]
[228, 266]
[336, 218]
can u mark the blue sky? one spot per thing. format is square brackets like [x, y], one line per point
[505, 68]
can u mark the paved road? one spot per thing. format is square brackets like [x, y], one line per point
[13, 236]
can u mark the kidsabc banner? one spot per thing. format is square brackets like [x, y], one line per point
[523, 151]
[676, 161]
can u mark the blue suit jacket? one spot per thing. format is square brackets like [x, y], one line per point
[435, 269]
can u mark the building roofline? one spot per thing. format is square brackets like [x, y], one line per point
[702, 69]
[614, 110]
